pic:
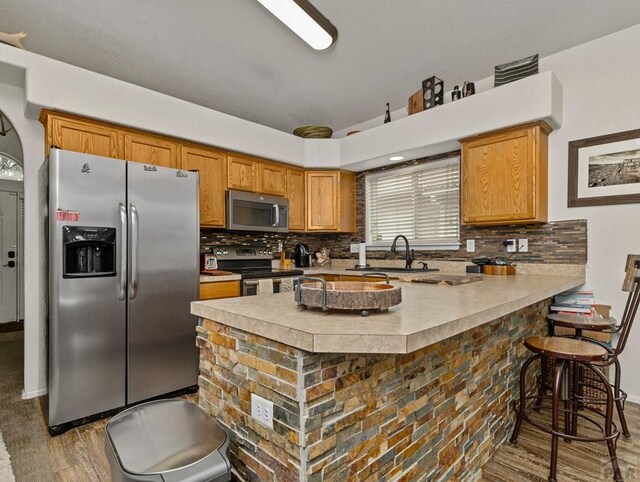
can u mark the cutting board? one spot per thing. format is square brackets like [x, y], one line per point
[217, 272]
[444, 279]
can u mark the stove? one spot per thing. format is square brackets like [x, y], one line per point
[252, 263]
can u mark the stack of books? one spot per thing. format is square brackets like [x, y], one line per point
[572, 302]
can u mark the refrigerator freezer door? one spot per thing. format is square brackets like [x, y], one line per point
[87, 330]
[163, 280]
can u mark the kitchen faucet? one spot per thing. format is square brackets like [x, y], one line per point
[409, 252]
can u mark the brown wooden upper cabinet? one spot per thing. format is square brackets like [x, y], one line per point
[150, 149]
[76, 134]
[272, 179]
[330, 197]
[241, 173]
[212, 166]
[296, 197]
[318, 200]
[504, 176]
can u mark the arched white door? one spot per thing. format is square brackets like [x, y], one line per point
[8, 256]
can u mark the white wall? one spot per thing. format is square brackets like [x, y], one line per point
[10, 142]
[32, 136]
[59, 86]
[601, 95]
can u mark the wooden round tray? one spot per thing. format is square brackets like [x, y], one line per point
[348, 295]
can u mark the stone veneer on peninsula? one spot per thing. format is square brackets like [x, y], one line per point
[436, 413]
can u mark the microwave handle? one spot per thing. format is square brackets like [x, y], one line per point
[277, 211]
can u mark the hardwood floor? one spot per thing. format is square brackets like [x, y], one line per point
[78, 455]
[528, 460]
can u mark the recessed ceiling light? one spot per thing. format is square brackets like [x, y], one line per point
[305, 21]
[396, 158]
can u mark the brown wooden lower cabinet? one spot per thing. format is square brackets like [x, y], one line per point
[213, 290]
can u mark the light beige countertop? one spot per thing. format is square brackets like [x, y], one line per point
[340, 266]
[427, 314]
[209, 279]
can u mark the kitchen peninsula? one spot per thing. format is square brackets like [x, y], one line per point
[422, 389]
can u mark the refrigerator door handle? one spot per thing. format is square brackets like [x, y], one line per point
[123, 258]
[134, 253]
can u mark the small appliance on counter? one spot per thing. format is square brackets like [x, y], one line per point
[208, 262]
[302, 256]
[495, 265]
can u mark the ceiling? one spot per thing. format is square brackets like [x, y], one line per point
[235, 57]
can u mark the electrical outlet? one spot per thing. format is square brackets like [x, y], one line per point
[471, 245]
[280, 246]
[523, 245]
[354, 247]
[262, 410]
[511, 245]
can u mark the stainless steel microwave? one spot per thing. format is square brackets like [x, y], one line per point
[248, 211]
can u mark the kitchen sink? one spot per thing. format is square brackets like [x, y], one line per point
[394, 270]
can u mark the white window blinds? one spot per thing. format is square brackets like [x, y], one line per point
[422, 202]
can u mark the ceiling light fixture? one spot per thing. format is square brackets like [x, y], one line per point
[305, 21]
[396, 158]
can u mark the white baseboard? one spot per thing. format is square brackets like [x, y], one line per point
[33, 393]
[633, 399]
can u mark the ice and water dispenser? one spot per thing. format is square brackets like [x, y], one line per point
[88, 252]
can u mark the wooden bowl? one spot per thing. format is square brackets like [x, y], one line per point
[313, 132]
[351, 295]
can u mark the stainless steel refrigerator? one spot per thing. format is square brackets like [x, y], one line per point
[123, 269]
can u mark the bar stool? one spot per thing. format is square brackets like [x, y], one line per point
[568, 353]
[581, 323]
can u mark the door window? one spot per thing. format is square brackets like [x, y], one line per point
[10, 168]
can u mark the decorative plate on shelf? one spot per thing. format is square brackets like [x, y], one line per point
[313, 132]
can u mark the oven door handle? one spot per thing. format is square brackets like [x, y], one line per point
[250, 282]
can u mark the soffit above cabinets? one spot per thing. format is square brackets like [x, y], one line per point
[57, 86]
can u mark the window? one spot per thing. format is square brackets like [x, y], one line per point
[10, 168]
[422, 202]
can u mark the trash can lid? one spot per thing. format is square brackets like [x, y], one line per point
[162, 436]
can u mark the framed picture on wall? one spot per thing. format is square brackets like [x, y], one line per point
[605, 170]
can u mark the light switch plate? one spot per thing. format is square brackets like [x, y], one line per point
[471, 245]
[523, 245]
[262, 410]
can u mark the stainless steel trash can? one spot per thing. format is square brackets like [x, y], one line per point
[167, 441]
